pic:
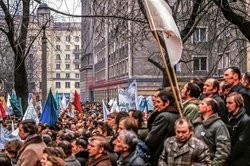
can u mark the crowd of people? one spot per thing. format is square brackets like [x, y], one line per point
[214, 130]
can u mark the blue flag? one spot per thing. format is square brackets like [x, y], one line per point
[57, 99]
[50, 112]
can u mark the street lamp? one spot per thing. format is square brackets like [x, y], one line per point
[43, 14]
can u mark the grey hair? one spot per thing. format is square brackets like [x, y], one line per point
[130, 139]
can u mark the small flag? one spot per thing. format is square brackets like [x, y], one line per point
[2, 111]
[105, 112]
[9, 108]
[31, 112]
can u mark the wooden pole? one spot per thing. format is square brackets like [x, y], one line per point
[164, 61]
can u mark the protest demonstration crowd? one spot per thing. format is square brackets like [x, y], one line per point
[212, 129]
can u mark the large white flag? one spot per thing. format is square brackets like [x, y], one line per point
[160, 19]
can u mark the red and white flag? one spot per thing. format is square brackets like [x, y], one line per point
[160, 19]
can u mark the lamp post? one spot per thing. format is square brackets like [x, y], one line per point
[43, 14]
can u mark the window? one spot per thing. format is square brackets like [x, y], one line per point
[58, 66]
[200, 35]
[67, 75]
[67, 66]
[58, 57]
[67, 47]
[58, 84]
[224, 61]
[67, 57]
[77, 47]
[58, 75]
[58, 47]
[77, 38]
[77, 75]
[67, 38]
[77, 56]
[58, 38]
[200, 63]
[77, 84]
[67, 84]
[76, 66]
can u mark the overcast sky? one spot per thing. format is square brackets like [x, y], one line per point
[67, 6]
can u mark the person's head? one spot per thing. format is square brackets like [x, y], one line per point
[245, 80]
[164, 99]
[104, 129]
[54, 161]
[128, 123]
[111, 120]
[155, 95]
[232, 75]
[12, 147]
[183, 129]
[221, 89]
[27, 127]
[5, 159]
[125, 143]
[190, 90]
[51, 151]
[120, 116]
[234, 103]
[79, 145]
[97, 146]
[211, 86]
[208, 106]
[67, 148]
[47, 139]
[197, 81]
[137, 115]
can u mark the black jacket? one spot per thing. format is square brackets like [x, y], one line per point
[82, 157]
[239, 129]
[222, 110]
[162, 128]
[245, 94]
[133, 159]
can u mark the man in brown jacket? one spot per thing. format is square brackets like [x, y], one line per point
[31, 152]
[97, 149]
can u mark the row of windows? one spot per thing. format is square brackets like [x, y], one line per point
[67, 66]
[67, 57]
[67, 47]
[67, 85]
[68, 38]
[67, 75]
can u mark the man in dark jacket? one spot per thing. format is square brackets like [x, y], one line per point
[163, 124]
[70, 159]
[210, 89]
[125, 147]
[232, 76]
[79, 149]
[238, 124]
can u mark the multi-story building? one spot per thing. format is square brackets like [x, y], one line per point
[63, 59]
[120, 49]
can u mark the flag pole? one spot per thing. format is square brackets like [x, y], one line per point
[164, 61]
[177, 86]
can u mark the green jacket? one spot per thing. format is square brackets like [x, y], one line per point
[214, 133]
[190, 109]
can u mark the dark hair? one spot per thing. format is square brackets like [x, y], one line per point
[211, 102]
[238, 99]
[183, 120]
[119, 116]
[167, 95]
[194, 89]
[82, 143]
[106, 128]
[137, 115]
[236, 70]
[66, 146]
[13, 146]
[29, 126]
[216, 84]
[198, 81]
[130, 124]
[54, 151]
[56, 161]
[46, 139]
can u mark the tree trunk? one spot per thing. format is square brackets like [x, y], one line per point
[21, 82]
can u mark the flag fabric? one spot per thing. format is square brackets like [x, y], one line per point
[50, 112]
[77, 102]
[115, 107]
[160, 19]
[105, 112]
[6, 135]
[64, 102]
[2, 111]
[9, 108]
[128, 99]
[31, 112]
[57, 100]
[16, 104]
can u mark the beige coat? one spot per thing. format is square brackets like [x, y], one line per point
[31, 152]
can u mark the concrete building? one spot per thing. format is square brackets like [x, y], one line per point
[63, 59]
